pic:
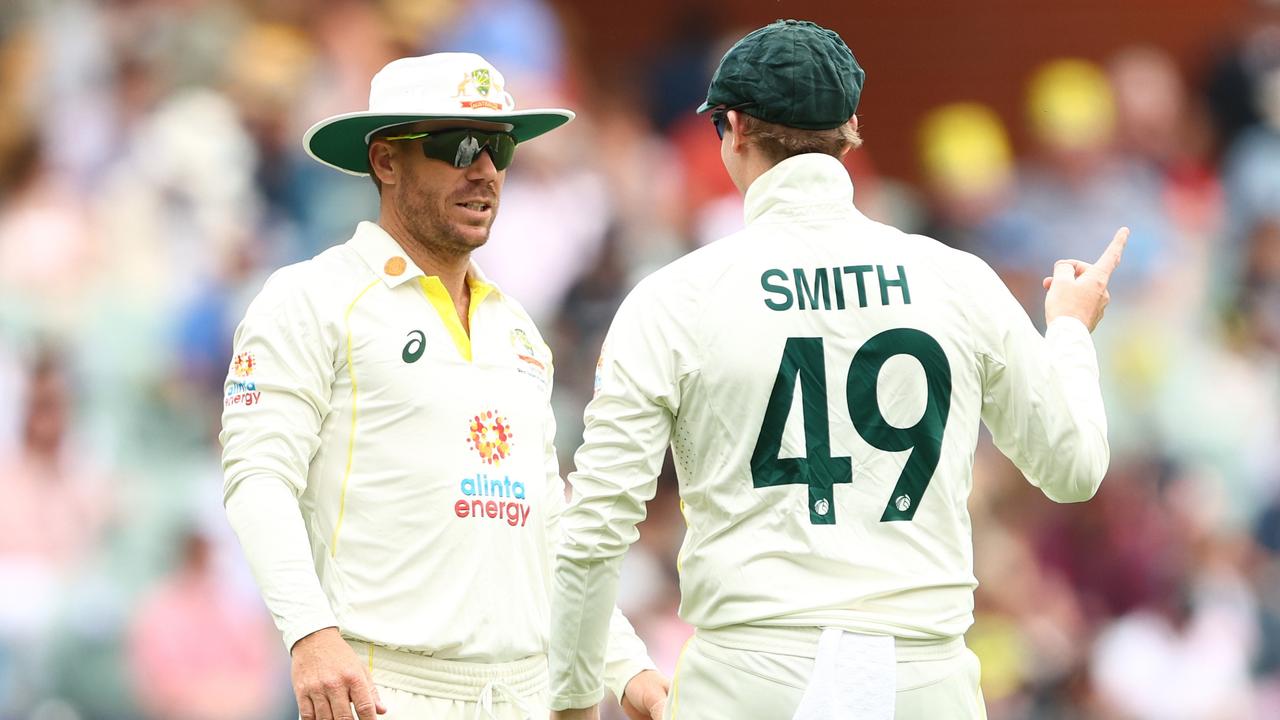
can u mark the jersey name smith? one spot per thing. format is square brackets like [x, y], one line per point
[814, 289]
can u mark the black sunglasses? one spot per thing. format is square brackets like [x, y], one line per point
[462, 146]
[720, 117]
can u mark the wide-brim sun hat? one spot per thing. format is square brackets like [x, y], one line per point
[441, 86]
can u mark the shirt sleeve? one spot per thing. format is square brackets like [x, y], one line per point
[628, 429]
[1042, 401]
[624, 654]
[276, 396]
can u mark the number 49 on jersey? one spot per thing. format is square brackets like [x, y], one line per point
[803, 360]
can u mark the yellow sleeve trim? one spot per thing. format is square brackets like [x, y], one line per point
[351, 439]
[439, 298]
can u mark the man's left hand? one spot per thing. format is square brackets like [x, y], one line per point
[645, 697]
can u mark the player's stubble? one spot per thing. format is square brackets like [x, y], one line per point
[430, 217]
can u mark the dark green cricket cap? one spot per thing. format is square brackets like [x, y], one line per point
[791, 72]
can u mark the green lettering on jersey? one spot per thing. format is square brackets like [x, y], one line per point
[821, 289]
[900, 282]
[857, 271]
[924, 439]
[802, 362]
[782, 290]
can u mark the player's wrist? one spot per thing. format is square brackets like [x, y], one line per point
[322, 636]
[1067, 330]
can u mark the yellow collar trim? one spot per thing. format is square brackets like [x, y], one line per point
[440, 299]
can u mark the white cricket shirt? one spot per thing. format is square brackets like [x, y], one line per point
[820, 378]
[389, 474]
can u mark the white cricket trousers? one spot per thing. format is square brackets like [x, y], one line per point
[764, 673]
[421, 687]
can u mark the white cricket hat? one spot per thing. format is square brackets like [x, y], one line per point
[448, 86]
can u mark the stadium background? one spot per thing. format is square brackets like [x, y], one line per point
[151, 177]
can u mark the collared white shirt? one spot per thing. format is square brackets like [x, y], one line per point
[820, 378]
[390, 474]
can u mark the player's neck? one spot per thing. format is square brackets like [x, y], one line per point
[450, 267]
[753, 166]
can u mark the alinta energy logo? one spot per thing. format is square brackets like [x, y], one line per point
[483, 496]
[490, 435]
[243, 391]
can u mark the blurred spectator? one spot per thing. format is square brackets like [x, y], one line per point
[1187, 653]
[1259, 302]
[653, 190]
[46, 247]
[199, 652]
[524, 37]
[55, 505]
[47, 250]
[968, 164]
[554, 214]
[1077, 192]
[1157, 123]
[679, 69]
[55, 500]
[1251, 168]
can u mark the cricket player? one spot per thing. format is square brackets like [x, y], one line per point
[387, 431]
[820, 378]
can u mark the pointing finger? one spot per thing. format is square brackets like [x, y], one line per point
[1110, 259]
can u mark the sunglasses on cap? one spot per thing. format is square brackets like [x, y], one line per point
[720, 117]
[462, 146]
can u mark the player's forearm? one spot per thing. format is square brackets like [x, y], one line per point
[265, 516]
[618, 466]
[1080, 453]
[588, 640]
[582, 609]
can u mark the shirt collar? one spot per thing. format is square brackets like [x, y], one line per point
[389, 261]
[808, 184]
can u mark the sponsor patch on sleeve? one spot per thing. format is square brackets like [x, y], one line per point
[241, 389]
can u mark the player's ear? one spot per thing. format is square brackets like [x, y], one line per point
[737, 124]
[381, 162]
[850, 133]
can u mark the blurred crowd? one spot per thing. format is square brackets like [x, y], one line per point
[152, 176]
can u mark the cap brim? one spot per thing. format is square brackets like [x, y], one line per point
[705, 106]
[341, 142]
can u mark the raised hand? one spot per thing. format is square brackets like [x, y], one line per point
[1079, 289]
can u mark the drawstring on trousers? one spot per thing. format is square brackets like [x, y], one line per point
[484, 703]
